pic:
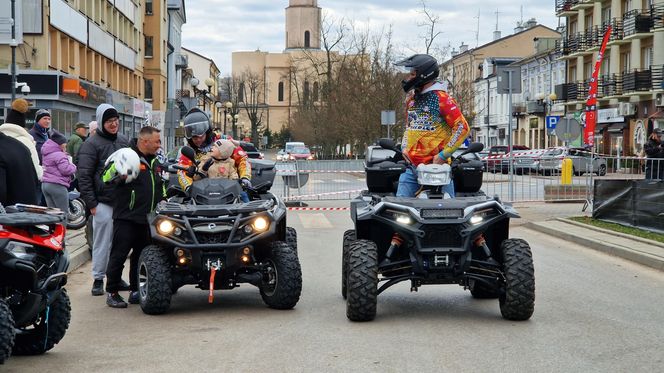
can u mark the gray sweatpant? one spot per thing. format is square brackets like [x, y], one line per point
[102, 237]
[57, 196]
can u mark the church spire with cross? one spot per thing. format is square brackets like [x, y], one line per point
[303, 24]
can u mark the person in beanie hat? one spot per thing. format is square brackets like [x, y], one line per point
[76, 140]
[39, 131]
[58, 171]
[97, 195]
[14, 126]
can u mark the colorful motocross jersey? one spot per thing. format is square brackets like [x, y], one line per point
[435, 124]
[239, 157]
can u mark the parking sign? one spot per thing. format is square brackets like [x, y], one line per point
[551, 122]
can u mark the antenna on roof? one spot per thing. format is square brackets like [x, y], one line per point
[477, 33]
[497, 12]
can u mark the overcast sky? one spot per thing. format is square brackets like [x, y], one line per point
[216, 28]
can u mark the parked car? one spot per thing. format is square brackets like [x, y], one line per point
[299, 153]
[251, 150]
[526, 162]
[501, 164]
[551, 161]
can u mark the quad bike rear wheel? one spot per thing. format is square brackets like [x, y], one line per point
[7, 331]
[154, 280]
[291, 238]
[362, 284]
[518, 301]
[349, 236]
[282, 277]
[47, 330]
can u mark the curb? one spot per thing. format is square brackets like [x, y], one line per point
[619, 234]
[78, 251]
[636, 256]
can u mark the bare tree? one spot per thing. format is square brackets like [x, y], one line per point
[252, 99]
[230, 91]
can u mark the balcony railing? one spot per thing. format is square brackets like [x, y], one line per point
[565, 5]
[609, 85]
[657, 12]
[657, 77]
[637, 80]
[637, 22]
[572, 91]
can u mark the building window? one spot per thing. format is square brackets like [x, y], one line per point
[306, 91]
[315, 93]
[148, 89]
[281, 92]
[148, 7]
[307, 39]
[149, 48]
[625, 63]
[240, 92]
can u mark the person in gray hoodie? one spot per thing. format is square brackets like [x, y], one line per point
[97, 195]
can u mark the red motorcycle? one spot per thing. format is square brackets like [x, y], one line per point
[34, 306]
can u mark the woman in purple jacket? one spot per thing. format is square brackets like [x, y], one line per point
[58, 170]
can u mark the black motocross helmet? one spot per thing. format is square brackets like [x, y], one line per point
[426, 67]
[197, 123]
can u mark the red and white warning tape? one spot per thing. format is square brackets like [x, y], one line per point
[318, 208]
[322, 194]
[289, 171]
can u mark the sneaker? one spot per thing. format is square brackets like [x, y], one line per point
[134, 298]
[124, 286]
[114, 300]
[98, 287]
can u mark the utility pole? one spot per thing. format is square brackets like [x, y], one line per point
[13, 45]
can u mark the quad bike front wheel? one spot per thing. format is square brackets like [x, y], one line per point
[518, 300]
[154, 280]
[282, 277]
[7, 331]
[291, 238]
[349, 236]
[362, 284]
[47, 330]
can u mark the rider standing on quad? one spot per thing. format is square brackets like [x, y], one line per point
[201, 138]
[435, 128]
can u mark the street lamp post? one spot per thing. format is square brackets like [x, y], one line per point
[227, 107]
[546, 101]
[13, 45]
[209, 82]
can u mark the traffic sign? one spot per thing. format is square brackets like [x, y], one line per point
[568, 129]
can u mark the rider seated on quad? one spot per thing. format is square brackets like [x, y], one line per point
[228, 161]
[435, 128]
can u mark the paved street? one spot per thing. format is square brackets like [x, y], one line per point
[594, 313]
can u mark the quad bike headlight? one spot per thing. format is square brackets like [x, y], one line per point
[476, 220]
[165, 227]
[404, 219]
[482, 215]
[21, 250]
[260, 224]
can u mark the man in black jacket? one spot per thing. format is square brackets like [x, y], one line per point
[97, 195]
[655, 153]
[18, 178]
[132, 203]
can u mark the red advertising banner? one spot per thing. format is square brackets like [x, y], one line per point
[591, 103]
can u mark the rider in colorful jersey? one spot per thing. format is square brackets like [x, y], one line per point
[435, 128]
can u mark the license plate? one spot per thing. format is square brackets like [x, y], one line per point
[216, 263]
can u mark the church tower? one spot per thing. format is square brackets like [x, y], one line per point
[303, 18]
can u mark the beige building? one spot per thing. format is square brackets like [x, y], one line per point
[203, 71]
[282, 90]
[631, 80]
[77, 54]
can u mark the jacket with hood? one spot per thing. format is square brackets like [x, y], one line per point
[18, 180]
[91, 159]
[22, 135]
[57, 167]
[135, 200]
[74, 145]
[40, 135]
[434, 124]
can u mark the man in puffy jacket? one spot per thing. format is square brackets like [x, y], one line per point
[135, 197]
[97, 195]
[41, 130]
[654, 150]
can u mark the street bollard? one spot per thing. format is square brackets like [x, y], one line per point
[566, 172]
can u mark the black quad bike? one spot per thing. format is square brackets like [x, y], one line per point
[34, 306]
[208, 237]
[433, 240]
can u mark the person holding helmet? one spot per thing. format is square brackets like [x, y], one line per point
[98, 195]
[137, 173]
[201, 138]
[435, 127]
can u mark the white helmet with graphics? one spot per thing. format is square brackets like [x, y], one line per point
[126, 162]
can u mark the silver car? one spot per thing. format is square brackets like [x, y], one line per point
[551, 161]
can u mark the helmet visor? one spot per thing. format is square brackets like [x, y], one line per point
[195, 129]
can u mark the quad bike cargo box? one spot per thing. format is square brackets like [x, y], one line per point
[382, 173]
[468, 177]
[262, 173]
